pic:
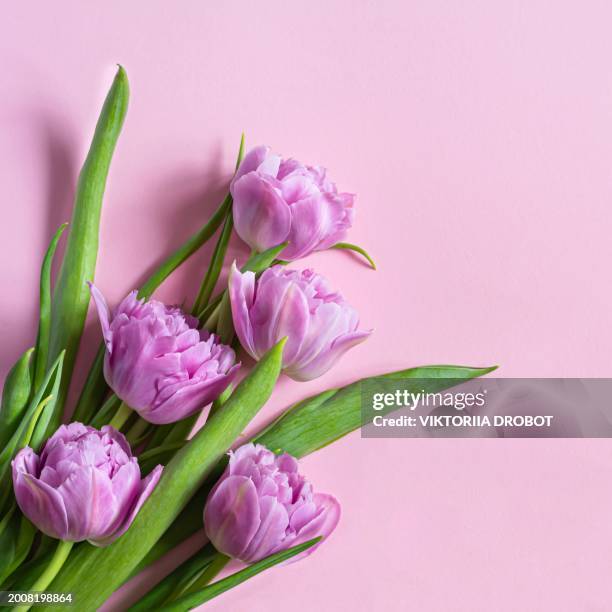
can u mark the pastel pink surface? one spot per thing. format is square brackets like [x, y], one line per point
[478, 137]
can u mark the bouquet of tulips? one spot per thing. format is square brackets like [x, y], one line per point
[88, 501]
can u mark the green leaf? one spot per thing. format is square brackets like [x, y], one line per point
[50, 419]
[174, 581]
[44, 322]
[16, 538]
[258, 262]
[22, 434]
[357, 249]
[92, 574]
[307, 426]
[17, 389]
[322, 419]
[71, 294]
[191, 600]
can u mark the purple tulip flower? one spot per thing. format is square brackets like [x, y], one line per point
[320, 326]
[278, 200]
[158, 362]
[262, 505]
[85, 485]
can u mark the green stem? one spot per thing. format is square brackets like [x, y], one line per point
[121, 416]
[136, 430]
[216, 264]
[55, 564]
[215, 267]
[104, 414]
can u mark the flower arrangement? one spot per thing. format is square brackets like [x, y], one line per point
[86, 504]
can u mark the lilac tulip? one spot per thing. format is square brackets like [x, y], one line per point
[85, 485]
[262, 505]
[319, 324]
[281, 200]
[158, 362]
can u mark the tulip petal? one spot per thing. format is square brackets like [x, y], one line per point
[90, 504]
[241, 289]
[146, 488]
[261, 217]
[231, 515]
[342, 213]
[177, 402]
[126, 486]
[251, 162]
[280, 309]
[38, 501]
[292, 322]
[103, 315]
[271, 532]
[310, 222]
[326, 359]
[323, 524]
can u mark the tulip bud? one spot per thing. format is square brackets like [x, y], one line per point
[262, 505]
[158, 362]
[281, 200]
[320, 326]
[85, 485]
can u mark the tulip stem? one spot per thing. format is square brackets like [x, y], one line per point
[53, 567]
[136, 430]
[121, 416]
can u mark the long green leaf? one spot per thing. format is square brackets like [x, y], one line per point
[44, 322]
[191, 600]
[173, 581]
[71, 295]
[312, 424]
[19, 438]
[307, 426]
[50, 419]
[15, 543]
[34, 421]
[17, 389]
[92, 574]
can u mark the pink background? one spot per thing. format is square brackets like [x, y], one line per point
[478, 136]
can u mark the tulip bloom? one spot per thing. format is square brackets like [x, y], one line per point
[319, 324]
[262, 505]
[158, 362]
[85, 485]
[278, 200]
